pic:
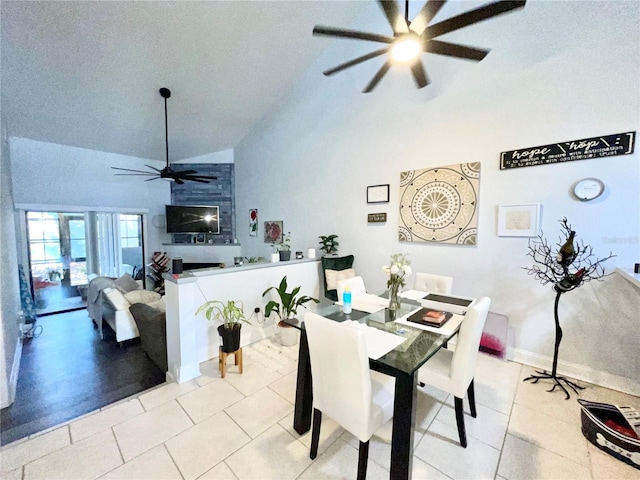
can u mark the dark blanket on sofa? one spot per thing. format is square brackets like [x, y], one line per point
[152, 325]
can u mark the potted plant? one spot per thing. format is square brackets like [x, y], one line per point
[231, 314]
[275, 255]
[53, 274]
[329, 244]
[285, 247]
[286, 309]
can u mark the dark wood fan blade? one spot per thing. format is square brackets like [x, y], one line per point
[197, 176]
[134, 174]
[140, 172]
[356, 61]
[185, 172]
[377, 77]
[195, 179]
[153, 168]
[454, 50]
[151, 179]
[425, 15]
[473, 16]
[337, 32]
[396, 20]
[419, 75]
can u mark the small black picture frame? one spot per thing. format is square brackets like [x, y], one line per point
[199, 238]
[378, 193]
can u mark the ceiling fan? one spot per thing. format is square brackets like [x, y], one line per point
[178, 176]
[410, 38]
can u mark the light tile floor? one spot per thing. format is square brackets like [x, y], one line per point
[240, 427]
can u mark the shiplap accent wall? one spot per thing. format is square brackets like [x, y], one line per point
[220, 192]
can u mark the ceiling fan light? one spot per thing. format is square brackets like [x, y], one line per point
[406, 49]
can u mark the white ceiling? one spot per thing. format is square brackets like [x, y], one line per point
[87, 74]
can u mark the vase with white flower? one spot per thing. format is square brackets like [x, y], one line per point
[397, 270]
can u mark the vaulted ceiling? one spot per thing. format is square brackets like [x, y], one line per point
[87, 73]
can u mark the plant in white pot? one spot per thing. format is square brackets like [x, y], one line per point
[286, 309]
[231, 314]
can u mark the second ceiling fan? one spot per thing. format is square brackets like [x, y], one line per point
[168, 173]
[410, 38]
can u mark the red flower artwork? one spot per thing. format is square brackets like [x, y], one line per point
[273, 232]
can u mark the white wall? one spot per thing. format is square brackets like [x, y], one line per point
[558, 71]
[9, 286]
[51, 174]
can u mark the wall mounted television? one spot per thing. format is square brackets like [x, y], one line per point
[192, 219]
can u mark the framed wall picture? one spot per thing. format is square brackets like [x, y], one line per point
[273, 231]
[378, 194]
[253, 222]
[519, 220]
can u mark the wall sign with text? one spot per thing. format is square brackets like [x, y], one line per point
[376, 217]
[585, 149]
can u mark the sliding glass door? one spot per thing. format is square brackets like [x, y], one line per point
[67, 248]
[57, 259]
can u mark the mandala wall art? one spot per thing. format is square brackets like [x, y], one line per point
[440, 204]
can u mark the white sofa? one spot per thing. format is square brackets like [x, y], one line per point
[108, 302]
[115, 311]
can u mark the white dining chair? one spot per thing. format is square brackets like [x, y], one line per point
[355, 284]
[453, 372]
[344, 388]
[429, 282]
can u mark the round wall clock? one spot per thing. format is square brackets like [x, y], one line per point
[588, 189]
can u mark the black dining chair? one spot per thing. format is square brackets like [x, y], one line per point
[335, 264]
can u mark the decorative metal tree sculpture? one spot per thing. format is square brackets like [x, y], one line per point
[572, 265]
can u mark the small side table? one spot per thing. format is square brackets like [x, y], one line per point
[222, 360]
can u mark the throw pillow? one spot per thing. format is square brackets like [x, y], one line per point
[334, 276]
[142, 296]
[116, 298]
[126, 283]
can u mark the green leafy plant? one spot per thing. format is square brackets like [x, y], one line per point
[289, 302]
[329, 243]
[54, 274]
[286, 242]
[231, 313]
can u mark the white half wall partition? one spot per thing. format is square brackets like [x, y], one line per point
[191, 339]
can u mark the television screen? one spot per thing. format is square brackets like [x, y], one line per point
[192, 219]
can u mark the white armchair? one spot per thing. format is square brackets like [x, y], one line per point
[344, 387]
[453, 372]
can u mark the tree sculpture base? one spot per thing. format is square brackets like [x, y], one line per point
[544, 375]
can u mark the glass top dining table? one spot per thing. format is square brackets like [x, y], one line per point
[402, 363]
[410, 355]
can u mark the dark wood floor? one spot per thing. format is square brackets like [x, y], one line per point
[68, 371]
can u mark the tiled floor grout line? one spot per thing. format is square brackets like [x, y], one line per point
[506, 430]
[164, 445]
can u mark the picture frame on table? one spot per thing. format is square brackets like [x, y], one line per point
[519, 220]
[378, 193]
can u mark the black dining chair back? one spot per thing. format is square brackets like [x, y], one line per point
[334, 263]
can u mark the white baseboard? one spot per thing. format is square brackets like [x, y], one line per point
[13, 377]
[577, 371]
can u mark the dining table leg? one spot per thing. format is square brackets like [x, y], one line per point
[404, 415]
[304, 391]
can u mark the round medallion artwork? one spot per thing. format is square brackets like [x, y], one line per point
[440, 204]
